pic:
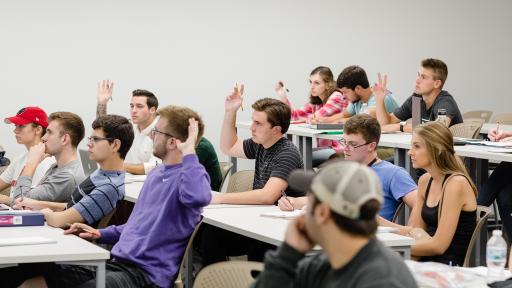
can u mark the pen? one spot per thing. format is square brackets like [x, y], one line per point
[497, 128]
[237, 89]
[286, 197]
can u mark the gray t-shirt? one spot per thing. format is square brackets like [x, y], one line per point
[57, 184]
[443, 101]
[373, 266]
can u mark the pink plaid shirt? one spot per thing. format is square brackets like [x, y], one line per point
[336, 103]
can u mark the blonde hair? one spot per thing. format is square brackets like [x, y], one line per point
[438, 140]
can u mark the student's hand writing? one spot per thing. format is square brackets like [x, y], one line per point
[83, 231]
[189, 146]
[379, 89]
[234, 100]
[297, 237]
[495, 135]
[27, 204]
[104, 91]
[286, 203]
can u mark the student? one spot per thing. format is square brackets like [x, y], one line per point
[275, 156]
[354, 85]
[345, 198]
[64, 133]
[100, 193]
[360, 139]
[148, 249]
[30, 125]
[140, 158]
[499, 185]
[324, 100]
[143, 106]
[429, 84]
[446, 203]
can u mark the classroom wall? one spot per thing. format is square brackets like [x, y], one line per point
[192, 52]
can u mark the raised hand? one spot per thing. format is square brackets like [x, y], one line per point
[379, 89]
[189, 146]
[83, 231]
[104, 91]
[281, 90]
[234, 100]
[297, 237]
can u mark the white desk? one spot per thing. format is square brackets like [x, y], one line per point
[248, 222]
[69, 249]
[132, 191]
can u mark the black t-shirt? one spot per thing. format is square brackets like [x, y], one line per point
[443, 101]
[279, 160]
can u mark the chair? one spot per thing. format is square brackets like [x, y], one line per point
[106, 219]
[6, 191]
[178, 283]
[480, 114]
[241, 181]
[225, 167]
[399, 213]
[466, 130]
[231, 274]
[482, 213]
[505, 118]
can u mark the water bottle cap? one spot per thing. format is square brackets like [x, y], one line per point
[496, 232]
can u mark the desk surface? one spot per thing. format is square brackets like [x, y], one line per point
[67, 248]
[248, 222]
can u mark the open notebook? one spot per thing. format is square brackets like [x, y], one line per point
[15, 241]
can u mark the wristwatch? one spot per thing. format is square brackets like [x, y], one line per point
[402, 125]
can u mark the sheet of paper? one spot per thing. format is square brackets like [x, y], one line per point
[284, 214]
[16, 241]
[385, 229]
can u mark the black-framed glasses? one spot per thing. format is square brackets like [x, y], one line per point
[351, 146]
[96, 139]
[154, 130]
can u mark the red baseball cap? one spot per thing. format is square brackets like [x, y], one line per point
[29, 115]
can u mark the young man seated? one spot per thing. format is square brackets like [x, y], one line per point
[353, 83]
[148, 249]
[64, 133]
[100, 193]
[359, 142]
[429, 84]
[275, 156]
[344, 199]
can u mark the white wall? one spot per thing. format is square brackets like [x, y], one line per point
[52, 53]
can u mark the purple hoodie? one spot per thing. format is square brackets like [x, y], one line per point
[168, 208]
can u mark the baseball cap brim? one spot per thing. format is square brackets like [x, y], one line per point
[17, 120]
[300, 180]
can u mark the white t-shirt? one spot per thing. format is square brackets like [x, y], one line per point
[12, 172]
[142, 148]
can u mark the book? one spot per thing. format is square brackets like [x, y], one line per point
[11, 218]
[283, 214]
[15, 241]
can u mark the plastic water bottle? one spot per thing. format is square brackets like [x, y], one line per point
[364, 109]
[441, 116]
[496, 257]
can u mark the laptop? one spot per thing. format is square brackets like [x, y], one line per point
[88, 165]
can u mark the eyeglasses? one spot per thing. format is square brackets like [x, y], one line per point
[96, 139]
[154, 130]
[351, 146]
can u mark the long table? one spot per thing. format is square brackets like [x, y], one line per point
[248, 221]
[69, 249]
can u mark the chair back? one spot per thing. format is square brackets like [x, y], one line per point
[481, 114]
[230, 274]
[106, 219]
[6, 191]
[225, 167]
[482, 213]
[241, 181]
[467, 129]
[399, 214]
[505, 118]
[178, 283]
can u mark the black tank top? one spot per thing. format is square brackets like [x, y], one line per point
[456, 252]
